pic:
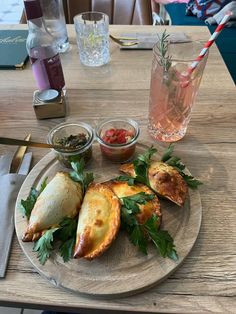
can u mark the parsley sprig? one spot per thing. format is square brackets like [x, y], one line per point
[28, 204]
[78, 174]
[141, 165]
[176, 162]
[44, 246]
[140, 233]
[64, 234]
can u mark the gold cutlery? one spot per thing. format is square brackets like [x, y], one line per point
[12, 141]
[122, 41]
[18, 156]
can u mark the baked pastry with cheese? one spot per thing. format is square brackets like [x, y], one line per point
[164, 180]
[99, 221]
[122, 189]
[61, 198]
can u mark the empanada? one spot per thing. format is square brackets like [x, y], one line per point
[61, 198]
[122, 189]
[99, 221]
[164, 180]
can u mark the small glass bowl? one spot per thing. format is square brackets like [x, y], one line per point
[118, 152]
[66, 129]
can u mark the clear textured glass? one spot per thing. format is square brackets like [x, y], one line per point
[118, 152]
[65, 130]
[54, 18]
[173, 92]
[92, 30]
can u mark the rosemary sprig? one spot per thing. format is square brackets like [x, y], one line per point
[162, 46]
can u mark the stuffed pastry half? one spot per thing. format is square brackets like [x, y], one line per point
[164, 180]
[122, 189]
[61, 198]
[99, 221]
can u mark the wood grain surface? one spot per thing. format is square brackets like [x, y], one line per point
[206, 282]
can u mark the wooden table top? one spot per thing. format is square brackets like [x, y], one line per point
[206, 282]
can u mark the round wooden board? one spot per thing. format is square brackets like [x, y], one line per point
[122, 270]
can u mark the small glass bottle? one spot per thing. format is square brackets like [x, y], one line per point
[54, 17]
[42, 50]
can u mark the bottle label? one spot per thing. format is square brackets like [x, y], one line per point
[54, 71]
[48, 73]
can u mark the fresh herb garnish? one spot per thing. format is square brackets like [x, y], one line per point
[67, 229]
[162, 239]
[66, 249]
[137, 237]
[140, 233]
[141, 165]
[126, 178]
[162, 46]
[78, 174]
[176, 162]
[44, 246]
[28, 204]
[131, 202]
[66, 234]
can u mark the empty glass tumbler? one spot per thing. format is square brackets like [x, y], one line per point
[92, 32]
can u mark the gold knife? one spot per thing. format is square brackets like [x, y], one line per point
[18, 156]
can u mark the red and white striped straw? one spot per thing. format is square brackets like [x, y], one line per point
[209, 43]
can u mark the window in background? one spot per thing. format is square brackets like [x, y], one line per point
[11, 11]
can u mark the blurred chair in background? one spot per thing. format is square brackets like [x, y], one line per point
[128, 12]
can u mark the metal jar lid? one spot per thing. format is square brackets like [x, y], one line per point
[47, 95]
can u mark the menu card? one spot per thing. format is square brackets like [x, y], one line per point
[13, 53]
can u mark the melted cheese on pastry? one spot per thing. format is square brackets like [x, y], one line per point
[164, 180]
[62, 197]
[99, 221]
[122, 189]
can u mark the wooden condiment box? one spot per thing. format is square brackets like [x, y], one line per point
[52, 108]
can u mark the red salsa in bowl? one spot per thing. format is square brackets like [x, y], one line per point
[117, 139]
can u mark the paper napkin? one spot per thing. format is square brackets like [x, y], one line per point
[147, 40]
[10, 184]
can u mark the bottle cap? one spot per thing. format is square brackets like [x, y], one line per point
[47, 95]
[33, 9]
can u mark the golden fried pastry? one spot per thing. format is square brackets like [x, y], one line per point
[164, 180]
[122, 189]
[61, 198]
[99, 221]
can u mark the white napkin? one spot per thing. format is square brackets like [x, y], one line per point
[217, 18]
[10, 184]
[147, 40]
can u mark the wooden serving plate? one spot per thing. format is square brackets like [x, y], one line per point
[122, 270]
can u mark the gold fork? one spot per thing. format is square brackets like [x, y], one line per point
[122, 41]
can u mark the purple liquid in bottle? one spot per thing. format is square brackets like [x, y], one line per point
[42, 49]
[47, 68]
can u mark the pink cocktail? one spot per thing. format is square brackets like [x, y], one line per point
[173, 92]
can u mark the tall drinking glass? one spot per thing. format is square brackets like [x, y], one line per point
[173, 92]
[92, 30]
